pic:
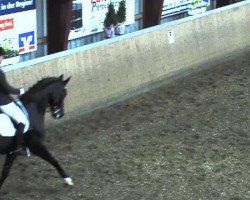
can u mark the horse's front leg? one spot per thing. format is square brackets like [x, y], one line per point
[41, 151]
[6, 167]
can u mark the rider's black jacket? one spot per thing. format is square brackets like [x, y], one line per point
[6, 90]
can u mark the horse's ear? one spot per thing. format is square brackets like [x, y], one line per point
[66, 81]
[61, 77]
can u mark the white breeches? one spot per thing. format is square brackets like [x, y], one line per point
[14, 112]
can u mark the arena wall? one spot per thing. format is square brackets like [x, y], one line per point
[107, 70]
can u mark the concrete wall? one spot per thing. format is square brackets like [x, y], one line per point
[111, 68]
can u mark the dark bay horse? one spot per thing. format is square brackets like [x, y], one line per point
[49, 93]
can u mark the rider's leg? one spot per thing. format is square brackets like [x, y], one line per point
[20, 118]
[19, 142]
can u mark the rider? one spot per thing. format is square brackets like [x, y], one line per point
[9, 107]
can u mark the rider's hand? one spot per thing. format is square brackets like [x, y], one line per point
[22, 91]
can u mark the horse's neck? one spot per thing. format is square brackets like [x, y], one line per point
[38, 100]
[36, 114]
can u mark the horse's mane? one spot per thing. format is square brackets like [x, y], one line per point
[39, 86]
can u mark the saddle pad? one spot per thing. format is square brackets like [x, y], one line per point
[6, 126]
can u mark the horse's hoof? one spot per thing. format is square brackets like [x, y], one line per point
[68, 181]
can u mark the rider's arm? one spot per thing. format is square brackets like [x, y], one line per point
[6, 87]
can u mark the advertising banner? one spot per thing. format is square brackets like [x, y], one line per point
[88, 16]
[173, 7]
[18, 25]
[14, 6]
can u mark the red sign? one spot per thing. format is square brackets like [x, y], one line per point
[6, 24]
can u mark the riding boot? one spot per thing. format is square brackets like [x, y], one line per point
[20, 146]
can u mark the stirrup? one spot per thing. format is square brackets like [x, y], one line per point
[22, 151]
[28, 151]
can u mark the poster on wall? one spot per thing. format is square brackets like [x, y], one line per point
[174, 7]
[88, 16]
[18, 25]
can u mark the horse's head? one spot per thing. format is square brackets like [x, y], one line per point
[57, 93]
[48, 92]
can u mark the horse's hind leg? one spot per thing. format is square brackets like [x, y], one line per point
[42, 152]
[6, 167]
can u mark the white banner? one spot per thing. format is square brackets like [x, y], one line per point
[174, 7]
[18, 26]
[88, 16]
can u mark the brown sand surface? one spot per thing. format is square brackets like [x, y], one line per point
[186, 140]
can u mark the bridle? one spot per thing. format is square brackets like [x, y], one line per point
[56, 110]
